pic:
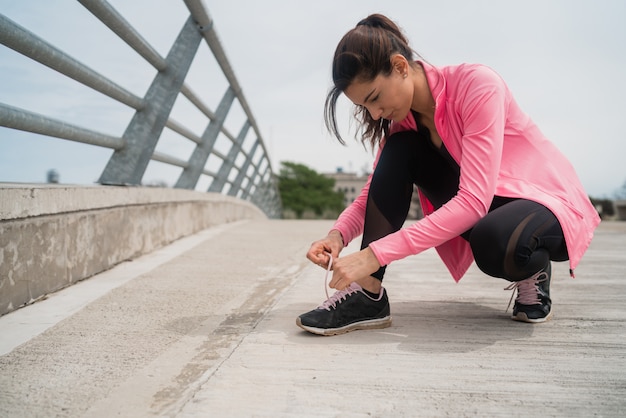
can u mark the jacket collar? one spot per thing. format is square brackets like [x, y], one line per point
[437, 85]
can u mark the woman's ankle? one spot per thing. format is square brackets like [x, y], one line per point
[371, 284]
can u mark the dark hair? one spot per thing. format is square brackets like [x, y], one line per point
[363, 53]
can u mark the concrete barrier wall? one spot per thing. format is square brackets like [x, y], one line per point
[54, 236]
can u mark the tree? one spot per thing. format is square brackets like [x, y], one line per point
[302, 189]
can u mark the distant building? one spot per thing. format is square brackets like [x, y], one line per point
[352, 183]
[348, 183]
[620, 209]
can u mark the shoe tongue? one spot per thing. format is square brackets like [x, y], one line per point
[340, 295]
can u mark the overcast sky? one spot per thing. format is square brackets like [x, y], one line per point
[563, 59]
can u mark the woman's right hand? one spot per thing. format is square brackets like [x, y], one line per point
[332, 244]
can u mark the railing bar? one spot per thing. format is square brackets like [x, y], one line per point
[228, 135]
[219, 154]
[23, 120]
[168, 159]
[180, 129]
[30, 45]
[196, 101]
[193, 98]
[120, 26]
[209, 173]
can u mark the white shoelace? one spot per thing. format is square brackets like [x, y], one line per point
[527, 291]
[339, 295]
[328, 268]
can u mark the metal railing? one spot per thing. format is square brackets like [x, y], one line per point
[245, 169]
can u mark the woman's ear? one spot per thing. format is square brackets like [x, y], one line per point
[399, 64]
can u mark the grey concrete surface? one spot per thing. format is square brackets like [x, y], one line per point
[209, 330]
[23, 200]
[52, 236]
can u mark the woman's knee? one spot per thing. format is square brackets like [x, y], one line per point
[487, 247]
[510, 242]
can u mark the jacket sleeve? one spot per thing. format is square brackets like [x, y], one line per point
[480, 109]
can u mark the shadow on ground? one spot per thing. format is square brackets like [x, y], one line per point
[451, 327]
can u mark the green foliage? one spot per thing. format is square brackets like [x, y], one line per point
[304, 190]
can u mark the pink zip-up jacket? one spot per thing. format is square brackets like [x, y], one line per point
[500, 152]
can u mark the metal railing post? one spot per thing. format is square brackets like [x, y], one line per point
[229, 162]
[190, 175]
[128, 165]
[264, 195]
[247, 190]
[236, 187]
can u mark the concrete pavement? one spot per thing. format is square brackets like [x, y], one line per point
[206, 327]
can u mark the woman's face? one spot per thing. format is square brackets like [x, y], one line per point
[388, 97]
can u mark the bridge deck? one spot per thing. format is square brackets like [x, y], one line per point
[205, 327]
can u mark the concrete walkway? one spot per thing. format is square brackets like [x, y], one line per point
[206, 327]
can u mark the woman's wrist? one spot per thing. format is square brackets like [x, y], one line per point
[336, 234]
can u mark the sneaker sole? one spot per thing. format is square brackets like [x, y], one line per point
[522, 317]
[369, 324]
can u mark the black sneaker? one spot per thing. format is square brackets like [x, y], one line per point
[533, 303]
[347, 310]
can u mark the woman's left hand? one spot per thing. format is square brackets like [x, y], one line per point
[353, 267]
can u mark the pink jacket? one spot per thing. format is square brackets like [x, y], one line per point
[500, 152]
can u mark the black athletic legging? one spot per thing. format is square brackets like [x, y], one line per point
[515, 240]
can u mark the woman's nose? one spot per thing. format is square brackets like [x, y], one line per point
[375, 113]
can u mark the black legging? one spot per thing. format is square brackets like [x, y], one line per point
[515, 240]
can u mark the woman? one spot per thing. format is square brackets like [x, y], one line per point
[493, 189]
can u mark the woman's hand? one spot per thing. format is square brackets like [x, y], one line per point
[353, 267]
[332, 244]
